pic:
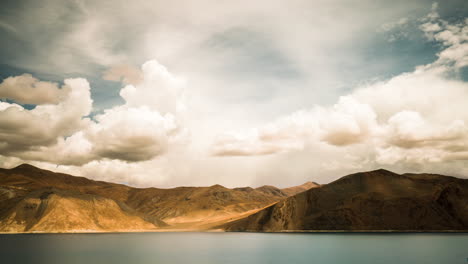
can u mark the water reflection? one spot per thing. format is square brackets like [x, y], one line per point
[236, 248]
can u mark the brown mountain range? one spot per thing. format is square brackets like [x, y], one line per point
[36, 200]
[371, 201]
[32, 199]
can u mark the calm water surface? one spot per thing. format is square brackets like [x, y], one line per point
[206, 248]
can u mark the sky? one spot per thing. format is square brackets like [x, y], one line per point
[237, 93]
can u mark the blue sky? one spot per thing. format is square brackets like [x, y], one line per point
[244, 87]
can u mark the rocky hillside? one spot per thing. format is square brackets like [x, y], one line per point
[300, 188]
[376, 200]
[32, 199]
[54, 210]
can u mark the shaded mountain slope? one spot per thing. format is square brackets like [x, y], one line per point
[376, 200]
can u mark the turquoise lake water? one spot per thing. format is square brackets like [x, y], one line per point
[206, 248]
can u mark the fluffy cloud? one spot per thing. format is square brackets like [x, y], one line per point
[453, 36]
[25, 130]
[160, 90]
[132, 133]
[348, 122]
[26, 89]
[411, 119]
[414, 121]
[407, 129]
[345, 123]
[139, 130]
[146, 124]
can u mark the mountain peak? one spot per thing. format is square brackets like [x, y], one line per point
[309, 184]
[300, 188]
[26, 166]
[382, 171]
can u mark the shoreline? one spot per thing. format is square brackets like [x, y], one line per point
[259, 232]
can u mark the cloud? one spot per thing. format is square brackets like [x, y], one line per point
[349, 122]
[85, 40]
[454, 36]
[160, 90]
[25, 89]
[146, 124]
[257, 144]
[139, 130]
[23, 130]
[123, 73]
[345, 123]
[245, 67]
[408, 129]
[131, 133]
[392, 25]
[411, 119]
[396, 30]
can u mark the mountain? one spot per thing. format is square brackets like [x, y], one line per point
[58, 211]
[36, 200]
[300, 188]
[32, 199]
[271, 190]
[369, 201]
[184, 207]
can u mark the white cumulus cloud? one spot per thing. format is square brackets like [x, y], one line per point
[24, 130]
[139, 130]
[410, 121]
[26, 89]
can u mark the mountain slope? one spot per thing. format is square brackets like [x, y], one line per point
[300, 188]
[197, 204]
[376, 200]
[21, 189]
[51, 210]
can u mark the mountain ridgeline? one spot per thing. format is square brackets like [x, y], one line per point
[370, 201]
[36, 200]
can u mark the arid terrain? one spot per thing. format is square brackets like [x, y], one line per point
[36, 200]
[370, 201]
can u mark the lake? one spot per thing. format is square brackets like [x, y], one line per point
[206, 248]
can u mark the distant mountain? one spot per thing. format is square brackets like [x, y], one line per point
[300, 188]
[271, 190]
[32, 199]
[369, 201]
[192, 206]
